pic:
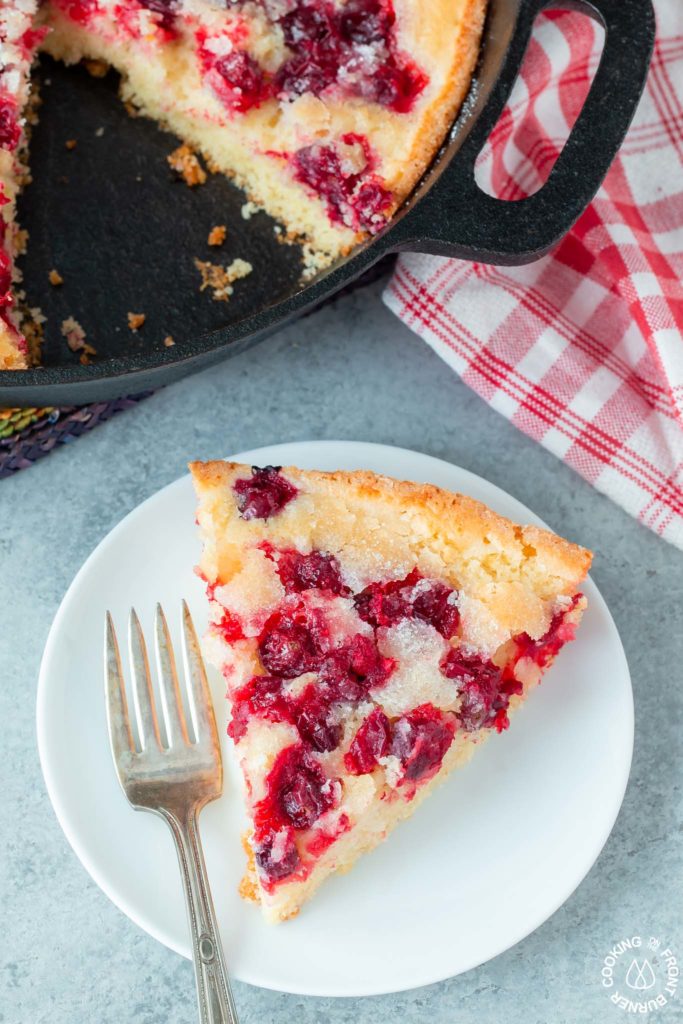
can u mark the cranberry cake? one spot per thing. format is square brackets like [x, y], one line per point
[371, 633]
[325, 111]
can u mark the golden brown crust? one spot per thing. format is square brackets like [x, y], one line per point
[447, 507]
[439, 116]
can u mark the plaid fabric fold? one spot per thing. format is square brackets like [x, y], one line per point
[582, 350]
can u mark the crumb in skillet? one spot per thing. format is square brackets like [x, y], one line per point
[96, 68]
[55, 278]
[168, 341]
[249, 209]
[217, 234]
[186, 165]
[71, 143]
[221, 279]
[75, 339]
[135, 321]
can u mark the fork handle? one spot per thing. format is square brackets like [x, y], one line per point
[216, 1004]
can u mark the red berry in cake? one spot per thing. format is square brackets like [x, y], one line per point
[293, 641]
[372, 741]
[556, 636]
[395, 85]
[10, 132]
[420, 739]
[366, 21]
[164, 8]
[229, 627]
[276, 855]
[243, 81]
[298, 788]
[352, 670]
[306, 25]
[313, 571]
[81, 11]
[264, 493]
[484, 690]
[5, 278]
[385, 604]
[262, 696]
[316, 721]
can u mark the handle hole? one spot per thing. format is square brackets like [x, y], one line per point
[545, 102]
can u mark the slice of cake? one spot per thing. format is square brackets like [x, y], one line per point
[326, 112]
[371, 633]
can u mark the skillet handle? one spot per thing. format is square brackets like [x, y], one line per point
[456, 218]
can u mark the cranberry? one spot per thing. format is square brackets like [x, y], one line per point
[319, 167]
[484, 689]
[80, 11]
[314, 720]
[370, 203]
[322, 841]
[420, 739]
[348, 673]
[298, 788]
[263, 696]
[294, 641]
[5, 277]
[229, 627]
[317, 570]
[395, 85]
[433, 605]
[556, 636]
[372, 741]
[306, 25]
[352, 201]
[244, 85]
[366, 21]
[385, 604]
[10, 132]
[263, 494]
[287, 860]
[164, 8]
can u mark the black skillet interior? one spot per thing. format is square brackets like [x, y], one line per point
[110, 216]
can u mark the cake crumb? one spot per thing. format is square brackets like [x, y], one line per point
[55, 278]
[96, 68]
[135, 321]
[99, 132]
[20, 241]
[249, 209]
[220, 279]
[217, 234]
[184, 162]
[75, 339]
[71, 143]
[169, 341]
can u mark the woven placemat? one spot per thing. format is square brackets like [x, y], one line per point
[28, 434]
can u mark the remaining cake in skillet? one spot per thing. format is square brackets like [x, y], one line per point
[372, 633]
[325, 111]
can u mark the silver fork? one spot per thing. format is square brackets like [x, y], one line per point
[174, 777]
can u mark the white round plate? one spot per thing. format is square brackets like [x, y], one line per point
[487, 859]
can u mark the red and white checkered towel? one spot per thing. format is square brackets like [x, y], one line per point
[582, 350]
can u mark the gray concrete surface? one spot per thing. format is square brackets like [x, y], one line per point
[68, 956]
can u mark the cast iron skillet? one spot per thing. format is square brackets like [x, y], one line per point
[109, 217]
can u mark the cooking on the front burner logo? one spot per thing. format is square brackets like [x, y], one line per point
[640, 976]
